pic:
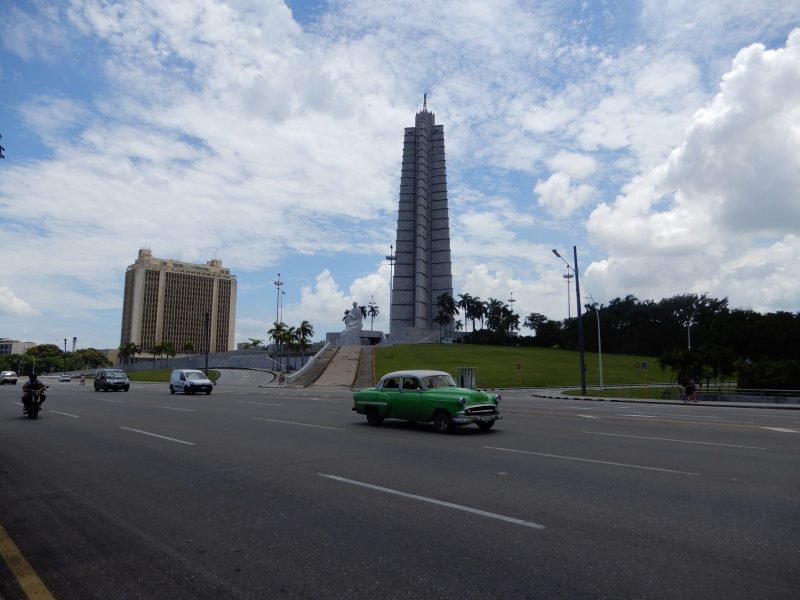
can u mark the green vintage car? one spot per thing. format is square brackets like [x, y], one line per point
[427, 396]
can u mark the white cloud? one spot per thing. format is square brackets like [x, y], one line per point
[10, 305]
[727, 191]
[559, 197]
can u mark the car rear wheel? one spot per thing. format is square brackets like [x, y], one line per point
[486, 425]
[374, 417]
[171, 389]
[208, 392]
[443, 422]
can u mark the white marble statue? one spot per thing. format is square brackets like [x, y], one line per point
[351, 336]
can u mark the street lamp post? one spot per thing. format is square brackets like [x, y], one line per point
[65, 355]
[599, 342]
[278, 283]
[579, 316]
[391, 258]
[208, 339]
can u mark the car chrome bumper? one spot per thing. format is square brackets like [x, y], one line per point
[469, 419]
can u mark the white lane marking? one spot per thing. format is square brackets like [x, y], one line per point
[587, 416]
[173, 408]
[261, 403]
[781, 429]
[163, 437]
[58, 412]
[642, 416]
[109, 400]
[589, 460]
[642, 437]
[295, 423]
[476, 511]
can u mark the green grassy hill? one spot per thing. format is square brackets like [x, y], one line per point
[497, 365]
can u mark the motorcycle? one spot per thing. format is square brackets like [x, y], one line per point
[32, 402]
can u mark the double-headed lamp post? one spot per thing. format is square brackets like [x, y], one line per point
[391, 257]
[580, 319]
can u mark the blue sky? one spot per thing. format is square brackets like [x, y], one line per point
[660, 137]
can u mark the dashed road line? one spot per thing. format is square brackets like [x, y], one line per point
[642, 437]
[468, 509]
[296, 423]
[589, 460]
[781, 429]
[58, 412]
[163, 437]
[175, 408]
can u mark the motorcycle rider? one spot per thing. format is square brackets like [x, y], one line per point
[29, 387]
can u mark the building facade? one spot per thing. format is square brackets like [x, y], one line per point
[8, 346]
[184, 303]
[423, 269]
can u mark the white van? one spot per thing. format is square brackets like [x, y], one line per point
[189, 381]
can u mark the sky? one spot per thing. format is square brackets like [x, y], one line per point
[659, 137]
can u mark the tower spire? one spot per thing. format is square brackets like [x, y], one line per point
[424, 101]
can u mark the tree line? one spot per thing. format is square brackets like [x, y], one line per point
[50, 358]
[697, 335]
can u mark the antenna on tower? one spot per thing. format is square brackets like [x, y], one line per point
[424, 101]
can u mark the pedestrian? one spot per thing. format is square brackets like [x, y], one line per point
[83, 379]
[281, 379]
[691, 390]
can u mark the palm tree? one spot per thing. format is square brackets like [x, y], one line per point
[187, 349]
[373, 312]
[475, 311]
[156, 350]
[447, 306]
[494, 314]
[128, 351]
[442, 319]
[276, 333]
[464, 303]
[305, 332]
[170, 350]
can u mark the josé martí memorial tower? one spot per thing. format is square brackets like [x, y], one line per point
[423, 270]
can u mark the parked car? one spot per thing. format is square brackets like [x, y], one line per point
[8, 377]
[190, 381]
[111, 379]
[64, 378]
[427, 396]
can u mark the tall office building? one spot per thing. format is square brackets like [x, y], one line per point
[179, 302]
[423, 270]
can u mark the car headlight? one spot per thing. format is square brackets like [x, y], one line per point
[462, 401]
[497, 399]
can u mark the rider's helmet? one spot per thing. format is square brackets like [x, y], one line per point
[32, 376]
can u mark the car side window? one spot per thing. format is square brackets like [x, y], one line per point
[391, 384]
[409, 383]
[183, 377]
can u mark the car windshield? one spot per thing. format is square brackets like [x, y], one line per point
[437, 381]
[115, 374]
[195, 375]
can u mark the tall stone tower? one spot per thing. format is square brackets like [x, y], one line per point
[423, 270]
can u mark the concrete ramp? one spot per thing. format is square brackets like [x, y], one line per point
[342, 369]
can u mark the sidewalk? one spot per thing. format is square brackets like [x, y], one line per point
[558, 394]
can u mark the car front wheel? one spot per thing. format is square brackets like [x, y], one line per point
[486, 425]
[171, 389]
[374, 417]
[443, 422]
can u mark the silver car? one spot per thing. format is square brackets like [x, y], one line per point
[8, 377]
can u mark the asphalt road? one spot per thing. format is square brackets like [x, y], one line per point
[276, 493]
